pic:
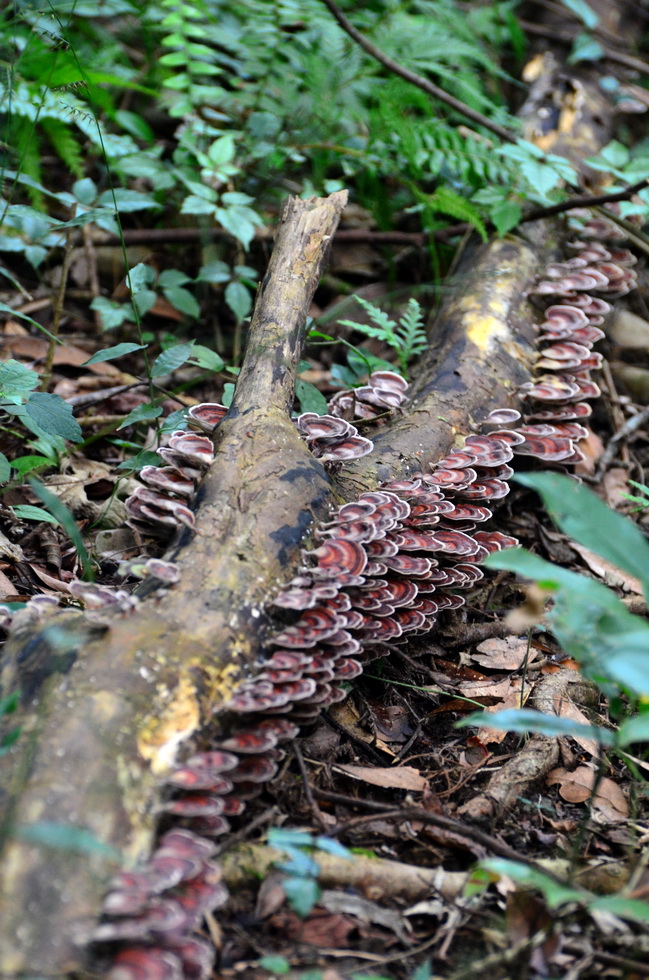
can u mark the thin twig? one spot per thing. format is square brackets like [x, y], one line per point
[474, 834]
[627, 429]
[563, 37]
[586, 201]
[410, 76]
[316, 812]
[365, 747]
[57, 312]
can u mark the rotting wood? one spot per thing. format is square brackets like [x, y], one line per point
[381, 878]
[145, 684]
[106, 704]
[100, 726]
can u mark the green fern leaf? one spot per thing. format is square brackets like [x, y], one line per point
[65, 143]
[450, 203]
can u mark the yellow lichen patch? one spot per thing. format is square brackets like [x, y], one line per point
[163, 733]
[484, 328]
[221, 681]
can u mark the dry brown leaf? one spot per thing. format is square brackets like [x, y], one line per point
[366, 911]
[498, 688]
[609, 573]
[401, 777]
[6, 586]
[346, 715]
[515, 697]
[592, 447]
[575, 787]
[65, 354]
[566, 709]
[615, 483]
[609, 802]
[508, 653]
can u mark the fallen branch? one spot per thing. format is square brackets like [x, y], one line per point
[396, 880]
[107, 703]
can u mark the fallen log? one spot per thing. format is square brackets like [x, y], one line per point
[107, 704]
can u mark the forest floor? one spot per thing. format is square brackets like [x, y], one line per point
[392, 843]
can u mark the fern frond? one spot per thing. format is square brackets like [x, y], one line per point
[66, 145]
[384, 328]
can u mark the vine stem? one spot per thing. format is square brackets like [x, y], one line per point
[410, 76]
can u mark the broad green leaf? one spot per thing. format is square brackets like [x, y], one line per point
[302, 894]
[330, 846]
[553, 577]
[135, 463]
[214, 272]
[238, 299]
[65, 837]
[228, 394]
[505, 216]
[626, 908]
[310, 399]
[53, 416]
[239, 221]
[555, 894]
[119, 350]
[193, 204]
[112, 314]
[634, 730]
[171, 359]
[16, 381]
[27, 512]
[585, 48]
[584, 12]
[280, 838]
[278, 965]
[25, 464]
[583, 516]
[134, 124]
[5, 468]
[65, 518]
[128, 200]
[140, 277]
[85, 190]
[423, 971]
[141, 413]
[181, 299]
[299, 863]
[94, 214]
[9, 704]
[526, 720]
[9, 739]
[222, 150]
[206, 358]
[172, 277]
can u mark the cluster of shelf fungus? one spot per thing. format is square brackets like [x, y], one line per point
[380, 571]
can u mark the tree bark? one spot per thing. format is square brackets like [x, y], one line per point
[106, 704]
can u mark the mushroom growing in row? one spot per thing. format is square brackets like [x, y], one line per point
[379, 571]
[384, 392]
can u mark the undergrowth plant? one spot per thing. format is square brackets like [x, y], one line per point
[301, 869]
[590, 622]
[611, 645]
[406, 337]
